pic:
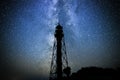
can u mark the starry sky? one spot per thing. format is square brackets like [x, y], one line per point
[91, 29]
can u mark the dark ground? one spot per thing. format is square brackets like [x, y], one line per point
[87, 73]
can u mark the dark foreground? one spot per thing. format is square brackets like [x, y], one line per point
[88, 73]
[94, 73]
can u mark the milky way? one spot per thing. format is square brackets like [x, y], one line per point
[91, 29]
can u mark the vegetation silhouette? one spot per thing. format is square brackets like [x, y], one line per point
[96, 73]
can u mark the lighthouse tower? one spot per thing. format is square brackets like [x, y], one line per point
[59, 64]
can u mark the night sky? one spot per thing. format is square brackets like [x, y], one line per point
[91, 28]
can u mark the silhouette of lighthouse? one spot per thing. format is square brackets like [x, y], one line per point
[59, 64]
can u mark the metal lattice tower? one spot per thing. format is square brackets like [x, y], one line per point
[59, 64]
